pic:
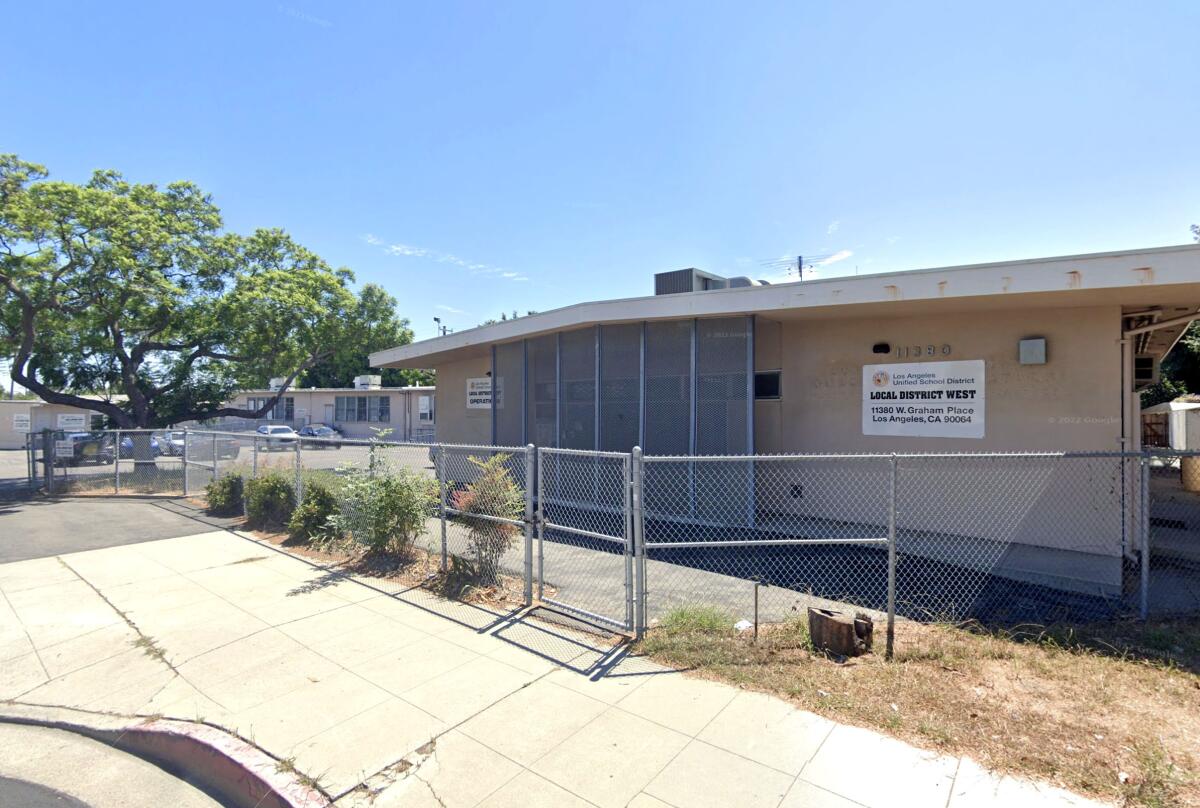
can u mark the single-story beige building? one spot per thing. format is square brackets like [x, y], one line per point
[19, 417]
[1044, 354]
[358, 412]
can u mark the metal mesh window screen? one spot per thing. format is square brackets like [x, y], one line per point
[509, 392]
[541, 391]
[577, 427]
[721, 384]
[620, 386]
[668, 387]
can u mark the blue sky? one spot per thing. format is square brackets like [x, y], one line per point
[483, 157]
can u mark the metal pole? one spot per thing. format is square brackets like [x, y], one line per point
[299, 481]
[440, 471]
[216, 468]
[541, 523]
[254, 459]
[1144, 601]
[529, 520]
[48, 451]
[184, 459]
[637, 482]
[627, 475]
[891, 549]
[117, 465]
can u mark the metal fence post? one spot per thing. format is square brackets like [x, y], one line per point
[254, 458]
[116, 463]
[541, 525]
[216, 468]
[1144, 529]
[299, 480]
[49, 449]
[529, 520]
[637, 481]
[891, 554]
[439, 463]
[184, 459]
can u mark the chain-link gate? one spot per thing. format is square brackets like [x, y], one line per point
[585, 547]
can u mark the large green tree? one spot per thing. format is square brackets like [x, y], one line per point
[135, 292]
[372, 325]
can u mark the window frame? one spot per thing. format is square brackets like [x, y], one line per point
[778, 375]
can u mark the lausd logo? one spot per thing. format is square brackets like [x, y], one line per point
[880, 379]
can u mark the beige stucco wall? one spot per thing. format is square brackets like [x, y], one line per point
[9, 437]
[975, 510]
[42, 416]
[1071, 402]
[456, 423]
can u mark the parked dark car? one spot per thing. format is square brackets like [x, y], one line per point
[86, 447]
[328, 437]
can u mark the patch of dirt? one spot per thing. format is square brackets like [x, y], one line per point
[1120, 722]
[418, 568]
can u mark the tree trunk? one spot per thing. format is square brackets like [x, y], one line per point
[143, 453]
[840, 634]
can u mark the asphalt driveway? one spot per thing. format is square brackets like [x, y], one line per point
[39, 528]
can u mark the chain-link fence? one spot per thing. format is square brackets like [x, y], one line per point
[585, 535]
[774, 534]
[623, 540]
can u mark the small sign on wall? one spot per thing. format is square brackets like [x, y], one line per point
[479, 393]
[924, 399]
[72, 422]
[20, 422]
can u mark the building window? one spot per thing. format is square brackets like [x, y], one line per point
[366, 409]
[766, 384]
[425, 408]
[284, 410]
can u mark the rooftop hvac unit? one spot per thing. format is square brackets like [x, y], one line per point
[276, 383]
[686, 280]
[368, 382]
[1145, 370]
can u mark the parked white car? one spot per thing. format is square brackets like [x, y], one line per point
[277, 437]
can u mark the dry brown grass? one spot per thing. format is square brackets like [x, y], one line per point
[1111, 711]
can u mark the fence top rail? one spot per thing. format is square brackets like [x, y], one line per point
[745, 458]
[479, 447]
[582, 452]
[888, 456]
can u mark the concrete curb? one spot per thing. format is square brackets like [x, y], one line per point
[236, 771]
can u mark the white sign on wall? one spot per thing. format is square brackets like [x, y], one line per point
[479, 393]
[71, 421]
[20, 422]
[924, 399]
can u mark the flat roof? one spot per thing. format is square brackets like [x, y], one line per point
[1156, 276]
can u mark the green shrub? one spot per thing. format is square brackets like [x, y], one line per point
[225, 495]
[310, 519]
[381, 509]
[270, 500]
[494, 493]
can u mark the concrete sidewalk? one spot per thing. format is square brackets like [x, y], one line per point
[400, 698]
